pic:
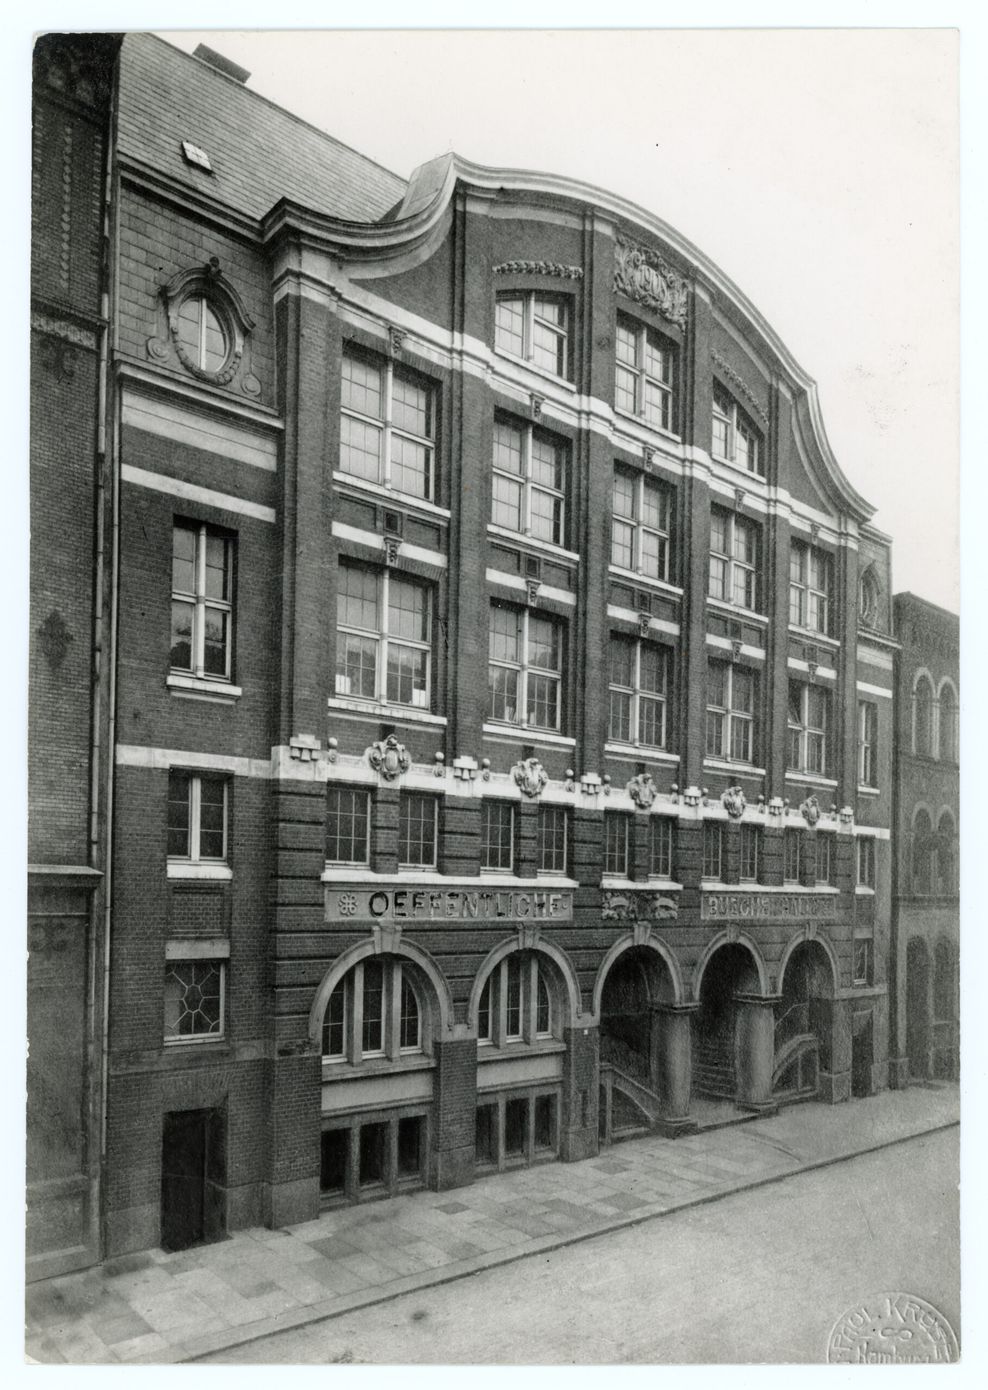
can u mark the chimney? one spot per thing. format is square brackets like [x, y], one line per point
[221, 64]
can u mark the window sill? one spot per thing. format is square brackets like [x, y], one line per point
[205, 1041]
[641, 752]
[611, 882]
[869, 791]
[562, 382]
[491, 1052]
[643, 424]
[633, 577]
[726, 765]
[521, 538]
[198, 688]
[734, 610]
[813, 778]
[529, 735]
[359, 873]
[343, 1070]
[737, 467]
[217, 873]
[408, 714]
[808, 634]
[748, 885]
[390, 495]
[863, 891]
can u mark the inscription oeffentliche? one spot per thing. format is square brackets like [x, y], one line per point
[359, 904]
[892, 1329]
[814, 907]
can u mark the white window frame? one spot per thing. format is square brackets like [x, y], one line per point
[735, 568]
[866, 945]
[524, 480]
[200, 602]
[404, 801]
[191, 1039]
[804, 736]
[867, 743]
[867, 866]
[496, 989]
[734, 422]
[206, 306]
[617, 820]
[824, 843]
[195, 855]
[637, 527]
[636, 372]
[531, 322]
[391, 1049]
[804, 595]
[487, 806]
[385, 640]
[637, 696]
[750, 835]
[525, 669]
[388, 429]
[355, 792]
[563, 813]
[713, 831]
[661, 826]
[729, 716]
[790, 873]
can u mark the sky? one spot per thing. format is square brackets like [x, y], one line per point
[818, 168]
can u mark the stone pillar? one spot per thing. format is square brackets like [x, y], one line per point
[578, 1135]
[754, 1050]
[671, 1065]
[835, 1050]
[454, 1114]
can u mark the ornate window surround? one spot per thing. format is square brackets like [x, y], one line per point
[209, 282]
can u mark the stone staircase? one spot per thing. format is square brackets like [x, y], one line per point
[713, 1069]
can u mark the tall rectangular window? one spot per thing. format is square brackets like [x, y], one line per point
[866, 861]
[202, 601]
[713, 850]
[383, 636]
[616, 825]
[639, 677]
[867, 744]
[387, 426]
[640, 525]
[525, 668]
[791, 847]
[751, 853]
[553, 839]
[732, 693]
[347, 825]
[660, 847]
[497, 834]
[644, 374]
[808, 720]
[417, 820]
[734, 559]
[824, 858]
[535, 327]
[197, 812]
[810, 587]
[734, 437]
[529, 482]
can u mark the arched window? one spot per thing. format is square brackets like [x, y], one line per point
[374, 1012]
[922, 853]
[923, 717]
[202, 334]
[943, 982]
[945, 868]
[207, 326]
[868, 596]
[516, 1004]
[948, 724]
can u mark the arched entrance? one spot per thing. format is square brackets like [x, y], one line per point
[803, 1023]
[635, 1085]
[918, 1008]
[733, 1030]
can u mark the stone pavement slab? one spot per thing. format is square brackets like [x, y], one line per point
[164, 1308]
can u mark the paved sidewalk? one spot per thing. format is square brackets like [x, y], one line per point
[157, 1307]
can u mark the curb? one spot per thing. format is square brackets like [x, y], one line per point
[208, 1345]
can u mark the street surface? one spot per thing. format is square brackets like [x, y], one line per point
[760, 1276]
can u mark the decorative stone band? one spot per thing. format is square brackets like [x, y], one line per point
[553, 268]
[347, 905]
[737, 380]
[817, 907]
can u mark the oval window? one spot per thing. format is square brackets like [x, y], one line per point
[201, 334]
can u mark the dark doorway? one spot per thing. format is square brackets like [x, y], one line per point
[730, 970]
[625, 1016]
[862, 1053]
[193, 1178]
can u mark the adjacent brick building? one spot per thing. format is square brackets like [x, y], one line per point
[502, 718]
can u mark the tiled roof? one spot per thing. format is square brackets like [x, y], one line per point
[259, 152]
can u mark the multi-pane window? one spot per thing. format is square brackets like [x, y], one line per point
[194, 1000]
[922, 853]
[387, 427]
[497, 834]
[553, 839]
[824, 859]
[525, 668]
[616, 826]
[197, 810]
[947, 748]
[515, 1002]
[639, 677]
[201, 334]
[373, 1011]
[732, 692]
[864, 948]
[946, 856]
[751, 853]
[810, 587]
[347, 825]
[644, 374]
[383, 636]
[535, 327]
[808, 718]
[734, 436]
[733, 559]
[713, 850]
[202, 601]
[792, 844]
[417, 821]
[640, 525]
[866, 861]
[529, 482]
[660, 847]
[867, 744]
[923, 717]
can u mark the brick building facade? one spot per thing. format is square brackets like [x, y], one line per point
[502, 716]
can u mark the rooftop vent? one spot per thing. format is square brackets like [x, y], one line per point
[221, 64]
